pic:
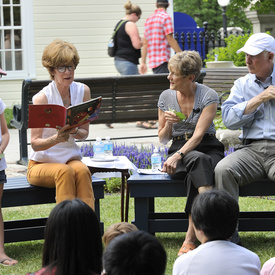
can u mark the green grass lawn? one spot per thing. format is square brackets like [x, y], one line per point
[29, 253]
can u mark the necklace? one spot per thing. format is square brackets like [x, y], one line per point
[67, 100]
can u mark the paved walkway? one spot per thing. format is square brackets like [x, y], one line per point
[120, 130]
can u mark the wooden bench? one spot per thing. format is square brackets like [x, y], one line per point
[18, 192]
[222, 79]
[125, 99]
[145, 188]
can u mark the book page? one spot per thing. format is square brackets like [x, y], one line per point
[56, 116]
[84, 112]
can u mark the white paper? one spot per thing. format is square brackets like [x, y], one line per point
[150, 172]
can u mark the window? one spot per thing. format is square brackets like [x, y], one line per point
[16, 28]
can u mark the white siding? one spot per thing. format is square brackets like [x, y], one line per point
[88, 24]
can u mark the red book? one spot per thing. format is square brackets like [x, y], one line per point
[56, 116]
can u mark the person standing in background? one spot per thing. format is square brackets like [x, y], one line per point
[158, 40]
[4, 140]
[128, 41]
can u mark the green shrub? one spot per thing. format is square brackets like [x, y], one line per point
[8, 116]
[228, 53]
[218, 121]
[112, 185]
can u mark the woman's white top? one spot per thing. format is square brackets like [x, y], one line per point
[3, 164]
[63, 151]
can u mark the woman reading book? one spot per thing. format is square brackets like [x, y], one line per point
[55, 159]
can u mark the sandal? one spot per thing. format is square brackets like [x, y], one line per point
[152, 122]
[146, 125]
[7, 259]
[186, 247]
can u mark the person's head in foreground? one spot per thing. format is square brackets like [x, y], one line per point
[61, 56]
[134, 253]
[73, 242]
[215, 215]
[116, 230]
[268, 267]
[259, 49]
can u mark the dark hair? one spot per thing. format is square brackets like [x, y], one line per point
[216, 213]
[135, 253]
[73, 242]
[162, 4]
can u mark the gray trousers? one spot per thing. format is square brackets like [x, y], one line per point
[248, 164]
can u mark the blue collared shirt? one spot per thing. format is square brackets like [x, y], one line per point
[257, 125]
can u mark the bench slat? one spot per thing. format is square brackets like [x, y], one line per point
[18, 192]
[145, 188]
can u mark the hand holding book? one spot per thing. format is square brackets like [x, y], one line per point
[56, 116]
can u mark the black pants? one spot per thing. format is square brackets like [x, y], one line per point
[196, 169]
[161, 69]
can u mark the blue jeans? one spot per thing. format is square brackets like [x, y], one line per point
[126, 67]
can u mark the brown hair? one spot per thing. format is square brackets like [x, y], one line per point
[59, 53]
[186, 63]
[163, 4]
[117, 229]
[131, 8]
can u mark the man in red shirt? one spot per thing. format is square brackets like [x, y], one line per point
[158, 40]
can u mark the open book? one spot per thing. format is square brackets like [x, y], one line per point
[56, 116]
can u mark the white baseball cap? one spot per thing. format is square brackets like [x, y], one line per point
[257, 43]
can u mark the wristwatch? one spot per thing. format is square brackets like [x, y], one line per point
[181, 154]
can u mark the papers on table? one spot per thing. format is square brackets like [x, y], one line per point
[150, 172]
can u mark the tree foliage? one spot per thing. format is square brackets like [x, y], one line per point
[210, 11]
[262, 6]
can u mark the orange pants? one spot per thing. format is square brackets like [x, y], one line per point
[71, 180]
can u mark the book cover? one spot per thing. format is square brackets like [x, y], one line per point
[56, 116]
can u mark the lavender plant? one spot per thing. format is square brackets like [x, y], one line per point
[229, 151]
[141, 157]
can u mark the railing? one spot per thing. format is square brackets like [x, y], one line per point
[204, 41]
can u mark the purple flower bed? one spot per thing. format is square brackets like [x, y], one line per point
[140, 157]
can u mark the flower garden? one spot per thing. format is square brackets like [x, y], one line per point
[141, 157]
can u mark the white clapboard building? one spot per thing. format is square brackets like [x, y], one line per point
[27, 26]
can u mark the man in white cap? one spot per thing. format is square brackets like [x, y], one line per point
[251, 107]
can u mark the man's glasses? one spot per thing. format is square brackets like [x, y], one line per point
[63, 69]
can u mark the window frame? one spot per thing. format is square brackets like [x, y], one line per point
[27, 42]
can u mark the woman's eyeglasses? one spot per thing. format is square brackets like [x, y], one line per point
[63, 69]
